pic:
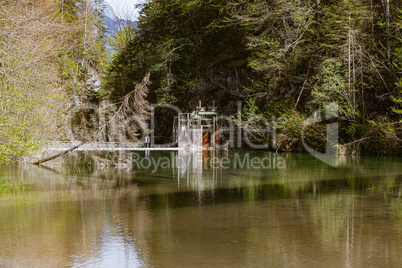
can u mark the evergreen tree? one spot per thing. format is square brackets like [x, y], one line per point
[186, 45]
[278, 32]
[284, 57]
[398, 64]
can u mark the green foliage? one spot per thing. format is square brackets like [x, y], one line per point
[290, 129]
[251, 120]
[127, 65]
[49, 52]
[17, 137]
[352, 130]
[332, 87]
[383, 137]
[276, 36]
[398, 101]
[13, 187]
[179, 42]
[398, 64]
[249, 113]
[292, 57]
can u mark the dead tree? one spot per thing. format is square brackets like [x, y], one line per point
[131, 115]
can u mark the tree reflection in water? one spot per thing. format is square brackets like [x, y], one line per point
[202, 214]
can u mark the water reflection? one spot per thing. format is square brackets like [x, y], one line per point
[198, 212]
[114, 250]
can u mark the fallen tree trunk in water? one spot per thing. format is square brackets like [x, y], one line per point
[57, 155]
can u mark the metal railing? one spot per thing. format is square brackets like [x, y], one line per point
[92, 145]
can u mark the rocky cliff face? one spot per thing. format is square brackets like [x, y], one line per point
[223, 84]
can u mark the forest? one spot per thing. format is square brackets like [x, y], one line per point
[281, 59]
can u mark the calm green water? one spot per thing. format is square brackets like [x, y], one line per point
[204, 210]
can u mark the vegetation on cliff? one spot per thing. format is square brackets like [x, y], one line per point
[49, 50]
[282, 59]
[290, 58]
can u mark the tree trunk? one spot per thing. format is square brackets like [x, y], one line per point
[57, 155]
[388, 33]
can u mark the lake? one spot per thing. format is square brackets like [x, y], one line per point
[205, 209]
